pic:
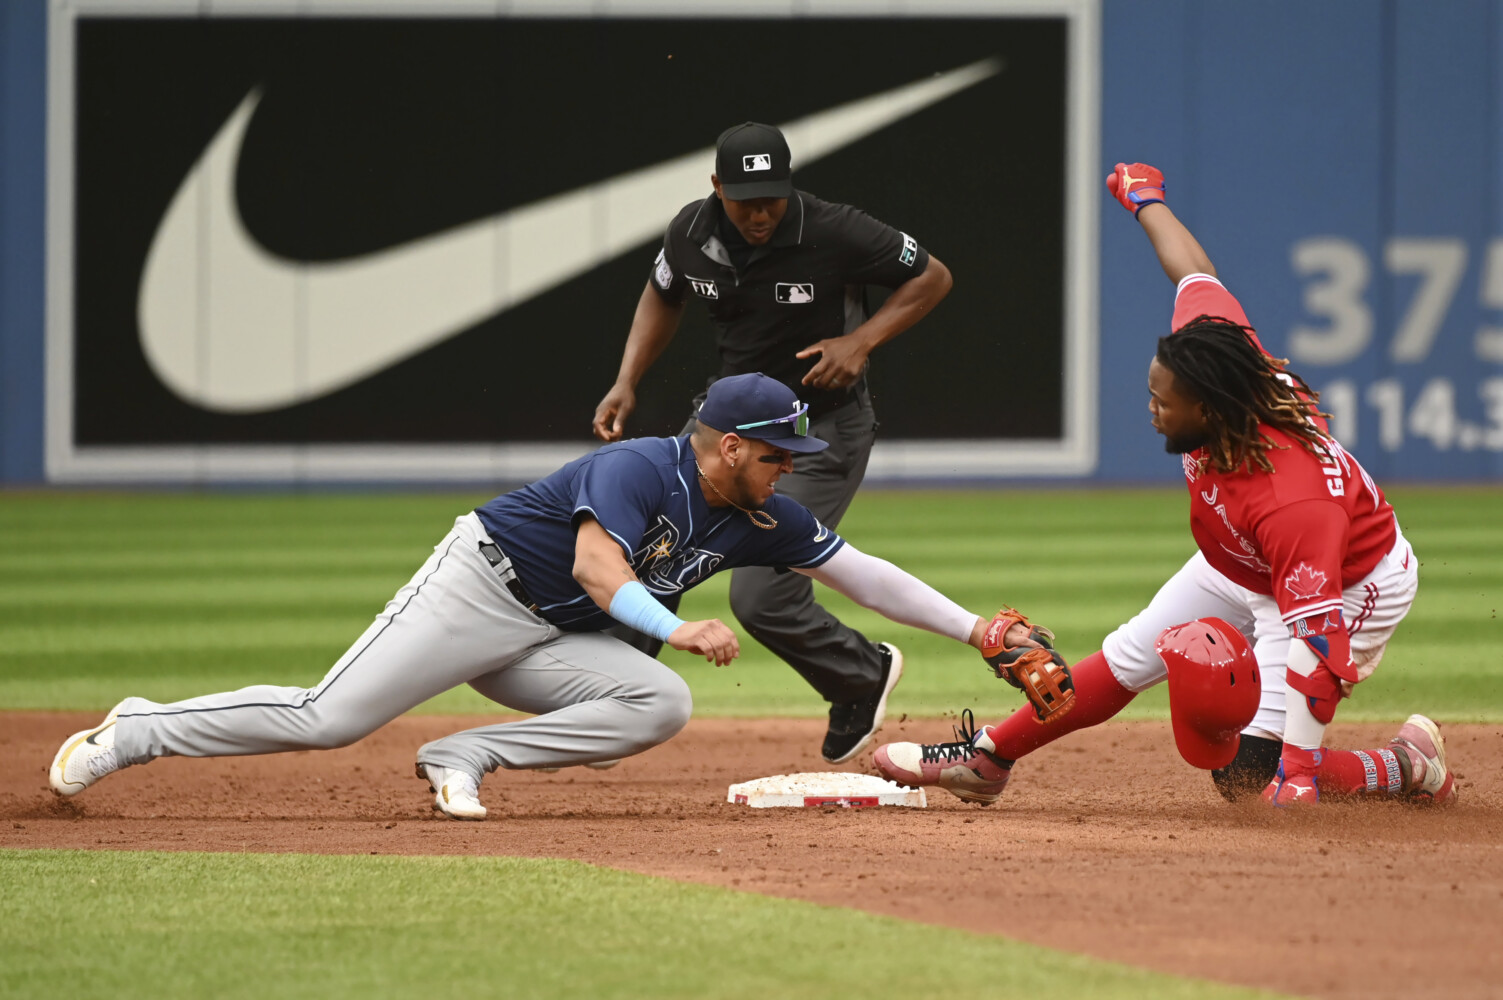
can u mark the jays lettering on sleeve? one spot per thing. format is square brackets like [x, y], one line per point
[806, 284]
[645, 494]
[1301, 534]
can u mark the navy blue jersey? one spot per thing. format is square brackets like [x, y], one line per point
[645, 493]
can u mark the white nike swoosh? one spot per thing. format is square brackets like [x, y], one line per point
[231, 327]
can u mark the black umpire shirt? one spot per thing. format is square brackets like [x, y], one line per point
[804, 285]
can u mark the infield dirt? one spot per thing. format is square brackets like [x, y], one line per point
[1105, 844]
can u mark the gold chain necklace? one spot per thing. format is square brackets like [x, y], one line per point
[751, 515]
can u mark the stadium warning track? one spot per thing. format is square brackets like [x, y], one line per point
[1106, 843]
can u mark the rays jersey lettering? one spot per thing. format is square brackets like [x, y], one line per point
[662, 569]
[644, 494]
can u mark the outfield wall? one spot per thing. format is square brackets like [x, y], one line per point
[1339, 163]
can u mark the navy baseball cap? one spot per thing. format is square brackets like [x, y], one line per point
[752, 161]
[756, 406]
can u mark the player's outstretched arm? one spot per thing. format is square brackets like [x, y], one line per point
[1140, 189]
[899, 596]
[652, 329]
[601, 569]
[1016, 650]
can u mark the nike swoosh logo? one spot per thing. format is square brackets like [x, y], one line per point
[233, 328]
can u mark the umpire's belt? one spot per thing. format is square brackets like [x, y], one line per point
[501, 563]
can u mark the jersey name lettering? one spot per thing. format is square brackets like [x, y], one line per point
[1335, 465]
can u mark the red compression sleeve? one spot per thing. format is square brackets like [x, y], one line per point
[1353, 772]
[1098, 697]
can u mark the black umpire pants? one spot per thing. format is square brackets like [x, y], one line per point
[778, 609]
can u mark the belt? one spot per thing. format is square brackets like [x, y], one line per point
[833, 401]
[508, 575]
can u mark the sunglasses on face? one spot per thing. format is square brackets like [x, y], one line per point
[799, 420]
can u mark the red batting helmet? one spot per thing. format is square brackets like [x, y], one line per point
[1213, 689]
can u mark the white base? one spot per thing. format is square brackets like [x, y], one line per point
[824, 788]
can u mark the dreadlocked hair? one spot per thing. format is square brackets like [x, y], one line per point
[1217, 362]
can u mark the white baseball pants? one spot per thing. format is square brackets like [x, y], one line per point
[595, 697]
[1372, 608]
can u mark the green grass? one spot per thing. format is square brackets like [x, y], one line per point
[169, 596]
[158, 925]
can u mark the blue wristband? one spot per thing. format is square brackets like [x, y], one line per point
[634, 605]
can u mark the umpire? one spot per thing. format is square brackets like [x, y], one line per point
[783, 275]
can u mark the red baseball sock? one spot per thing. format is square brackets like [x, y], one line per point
[1098, 697]
[1354, 772]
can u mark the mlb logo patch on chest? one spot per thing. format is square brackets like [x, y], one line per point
[793, 293]
[704, 288]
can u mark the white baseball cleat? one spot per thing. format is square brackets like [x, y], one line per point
[455, 793]
[85, 757]
[963, 767]
[1431, 781]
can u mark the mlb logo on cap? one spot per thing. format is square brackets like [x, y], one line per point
[752, 161]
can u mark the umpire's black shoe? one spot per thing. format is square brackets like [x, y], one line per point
[853, 724]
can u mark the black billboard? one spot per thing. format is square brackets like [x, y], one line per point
[367, 139]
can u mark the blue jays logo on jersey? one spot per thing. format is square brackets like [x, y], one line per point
[664, 570]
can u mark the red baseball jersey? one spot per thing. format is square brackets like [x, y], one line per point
[1302, 533]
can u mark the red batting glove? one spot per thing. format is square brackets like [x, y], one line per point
[1136, 185]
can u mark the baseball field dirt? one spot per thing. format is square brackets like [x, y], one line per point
[1106, 843]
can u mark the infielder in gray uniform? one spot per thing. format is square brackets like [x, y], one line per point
[513, 602]
[783, 275]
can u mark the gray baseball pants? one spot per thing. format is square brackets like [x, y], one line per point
[594, 697]
[778, 609]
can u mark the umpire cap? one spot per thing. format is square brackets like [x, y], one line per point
[752, 161]
[1214, 689]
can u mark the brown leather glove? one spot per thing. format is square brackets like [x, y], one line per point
[1033, 667]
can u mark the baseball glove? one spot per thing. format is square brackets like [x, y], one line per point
[1037, 671]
